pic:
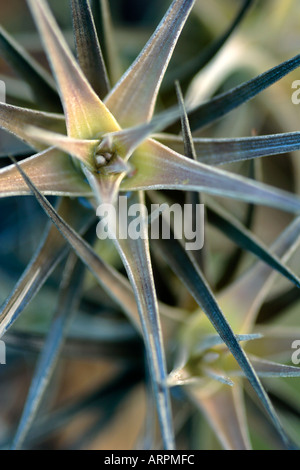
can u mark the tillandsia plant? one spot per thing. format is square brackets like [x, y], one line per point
[89, 140]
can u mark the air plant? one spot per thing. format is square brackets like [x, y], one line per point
[92, 135]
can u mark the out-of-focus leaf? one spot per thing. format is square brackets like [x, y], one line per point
[234, 230]
[190, 274]
[133, 99]
[266, 368]
[42, 85]
[120, 351]
[88, 49]
[51, 171]
[157, 167]
[66, 308]
[11, 145]
[222, 151]
[86, 115]
[244, 298]
[276, 344]
[210, 341]
[222, 104]
[116, 389]
[189, 69]
[15, 120]
[106, 34]
[50, 252]
[224, 409]
[273, 308]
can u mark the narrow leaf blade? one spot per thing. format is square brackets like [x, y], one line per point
[133, 99]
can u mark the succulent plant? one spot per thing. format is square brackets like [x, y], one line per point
[97, 137]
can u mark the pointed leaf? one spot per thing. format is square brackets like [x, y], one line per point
[52, 171]
[83, 150]
[15, 120]
[136, 258]
[86, 115]
[133, 99]
[88, 48]
[120, 291]
[223, 151]
[222, 104]
[266, 368]
[157, 167]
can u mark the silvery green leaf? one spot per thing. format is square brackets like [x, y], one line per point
[15, 120]
[135, 255]
[266, 368]
[83, 150]
[223, 151]
[133, 99]
[51, 171]
[157, 167]
[86, 115]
